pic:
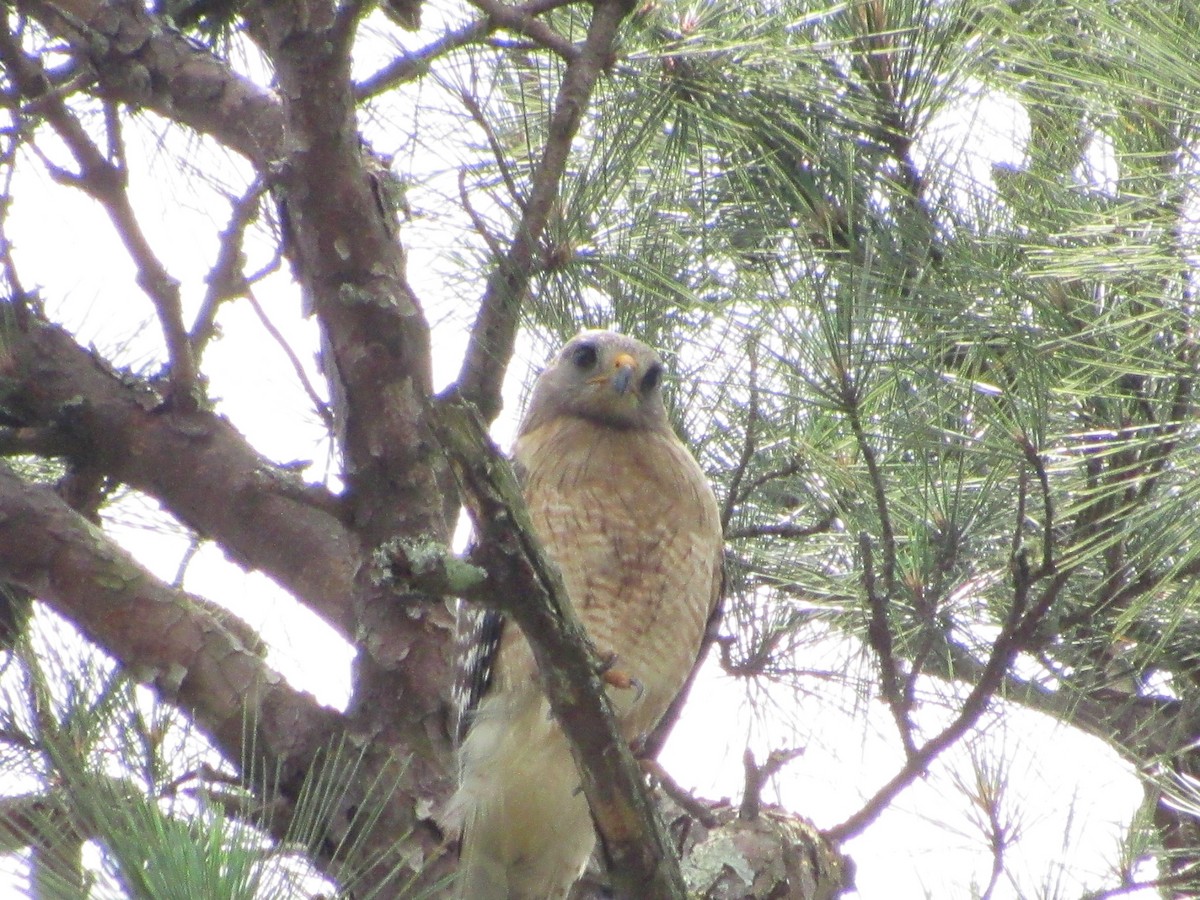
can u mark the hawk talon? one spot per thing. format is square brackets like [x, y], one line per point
[619, 678]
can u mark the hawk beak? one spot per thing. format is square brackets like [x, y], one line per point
[622, 379]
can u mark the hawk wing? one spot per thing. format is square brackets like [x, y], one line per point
[477, 632]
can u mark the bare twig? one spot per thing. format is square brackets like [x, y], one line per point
[734, 496]
[879, 636]
[788, 469]
[413, 65]
[878, 488]
[757, 776]
[321, 407]
[476, 220]
[226, 279]
[492, 337]
[680, 795]
[1039, 468]
[472, 104]
[788, 530]
[104, 178]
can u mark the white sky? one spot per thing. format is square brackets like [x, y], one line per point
[1069, 795]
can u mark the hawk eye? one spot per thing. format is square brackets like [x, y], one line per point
[652, 377]
[584, 356]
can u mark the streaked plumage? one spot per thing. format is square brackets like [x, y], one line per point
[627, 514]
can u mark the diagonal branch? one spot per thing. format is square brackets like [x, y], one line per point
[195, 464]
[139, 61]
[1015, 636]
[104, 178]
[227, 279]
[528, 587]
[161, 635]
[521, 19]
[494, 333]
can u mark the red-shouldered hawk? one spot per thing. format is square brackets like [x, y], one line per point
[628, 516]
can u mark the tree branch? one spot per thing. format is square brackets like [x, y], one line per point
[139, 61]
[516, 18]
[492, 337]
[104, 178]
[1019, 626]
[879, 636]
[527, 586]
[226, 279]
[161, 635]
[345, 254]
[195, 464]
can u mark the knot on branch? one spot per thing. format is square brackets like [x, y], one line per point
[776, 855]
[426, 567]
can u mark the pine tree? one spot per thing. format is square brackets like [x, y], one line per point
[925, 273]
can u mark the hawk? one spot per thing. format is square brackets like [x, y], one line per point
[628, 516]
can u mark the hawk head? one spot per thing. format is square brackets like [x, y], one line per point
[605, 377]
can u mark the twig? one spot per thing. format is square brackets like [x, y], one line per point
[413, 65]
[106, 182]
[13, 278]
[749, 445]
[226, 279]
[189, 553]
[879, 489]
[789, 530]
[476, 220]
[321, 407]
[757, 776]
[494, 333]
[680, 795]
[472, 104]
[788, 469]
[1039, 468]
[879, 636]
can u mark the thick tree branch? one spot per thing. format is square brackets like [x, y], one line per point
[491, 343]
[523, 20]
[195, 464]
[342, 244]
[139, 61]
[161, 635]
[527, 586]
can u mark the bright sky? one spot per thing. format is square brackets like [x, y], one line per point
[1070, 796]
